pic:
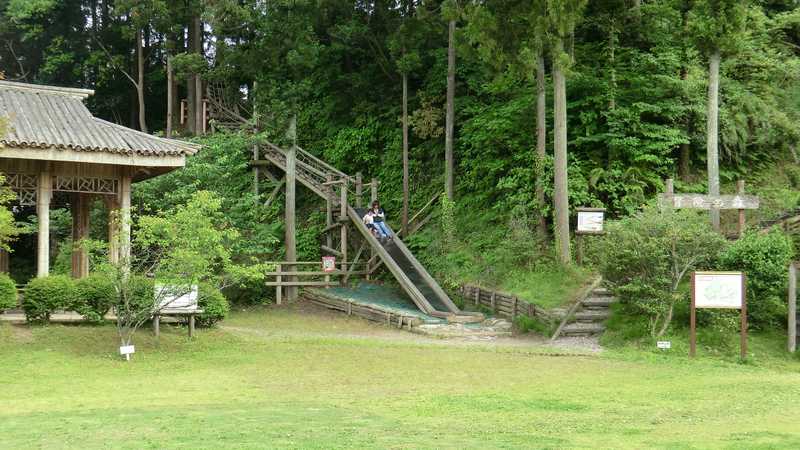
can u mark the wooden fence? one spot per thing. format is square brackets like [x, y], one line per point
[310, 274]
[503, 304]
[364, 310]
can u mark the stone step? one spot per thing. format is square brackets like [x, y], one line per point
[592, 315]
[601, 292]
[582, 329]
[604, 302]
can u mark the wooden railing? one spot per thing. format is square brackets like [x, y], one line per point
[309, 274]
[502, 304]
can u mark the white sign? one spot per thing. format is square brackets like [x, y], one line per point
[176, 296]
[328, 264]
[590, 221]
[718, 290]
[664, 345]
[126, 350]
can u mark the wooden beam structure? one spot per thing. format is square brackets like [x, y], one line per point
[80, 231]
[43, 216]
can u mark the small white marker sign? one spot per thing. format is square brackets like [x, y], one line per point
[664, 345]
[126, 350]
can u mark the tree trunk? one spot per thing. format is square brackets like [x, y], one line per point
[140, 80]
[199, 117]
[450, 117]
[713, 132]
[541, 139]
[170, 96]
[561, 209]
[190, 83]
[684, 155]
[405, 154]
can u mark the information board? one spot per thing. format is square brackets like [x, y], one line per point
[718, 290]
[590, 221]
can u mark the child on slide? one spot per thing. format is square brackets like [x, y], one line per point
[379, 219]
[369, 221]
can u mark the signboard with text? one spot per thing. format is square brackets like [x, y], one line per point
[590, 221]
[704, 201]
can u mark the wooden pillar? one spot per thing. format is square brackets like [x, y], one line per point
[278, 288]
[112, 204]
[256, 170]
[44, 194]
[740, 191]
[329, 211]
[359, 189]
[4, 261]
[373, 191]
[125, 220]
[792, 301]
[291, 246]
[80, 231]
[343, 219]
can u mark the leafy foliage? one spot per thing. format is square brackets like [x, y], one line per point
[8, 292]
[214, 305]
[94, 297]
[765, 259]
[46, 295]
[647, 257]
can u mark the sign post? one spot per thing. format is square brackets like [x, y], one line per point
[590, 221]
[739, 202]
[718, 290]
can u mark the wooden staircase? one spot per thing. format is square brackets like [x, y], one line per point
[589, 316]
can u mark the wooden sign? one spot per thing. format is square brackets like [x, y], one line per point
[590, 221]
[721, 290]
[176, 297]
[705, 201]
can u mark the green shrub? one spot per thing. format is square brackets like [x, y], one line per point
[45, 295]
[8, 292]
[214, 305]
[647, 257]
[95, 295]
[765, 259]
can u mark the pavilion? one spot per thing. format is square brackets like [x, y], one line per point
[53, 144]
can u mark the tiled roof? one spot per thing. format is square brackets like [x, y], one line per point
[53, 117]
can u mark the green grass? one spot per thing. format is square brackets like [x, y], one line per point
[276, 378]
[549, 287]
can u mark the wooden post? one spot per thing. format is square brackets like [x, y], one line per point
[743, 336]
[112, 204]
[157, 325]
[792, 322]
[692, 323]
[359, 189]
[256, 170]
[477, 296]
[740, 191]
[191, 326]
[43, 212]
[291, 232]
[342, 219]
[278, 287]
[373, 191]
[80, 231]
[494, 301]
[125, 220]
[514, 308]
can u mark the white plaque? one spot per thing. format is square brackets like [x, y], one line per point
[590, 221]
[126, 350]
[718, 290]
[664, 345]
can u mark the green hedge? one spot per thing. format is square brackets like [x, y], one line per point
[214, 305]
[8, 292]
[95, 296]
[43, 296]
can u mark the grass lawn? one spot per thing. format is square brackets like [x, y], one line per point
[279, 378]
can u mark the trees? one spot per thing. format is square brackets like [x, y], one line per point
[562, 16]
[450, 13]
[172, 252]
[718, 27]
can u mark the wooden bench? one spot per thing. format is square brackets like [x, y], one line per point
[176, 305]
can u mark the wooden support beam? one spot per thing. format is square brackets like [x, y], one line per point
[353, 266]
[328, 210]
[358, 190]
[80, 231]
[343, 214]
[112, 205]
[792, 302]
[332, 227]
[331, 251]
[275, 191]
[291, 231]
[125, 220]
[278, 286]
[43, 216]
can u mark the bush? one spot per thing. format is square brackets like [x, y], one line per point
[214, 305]
[647, 257]
[765, 259]
[45, 295]
[8, 292]
[95, 295]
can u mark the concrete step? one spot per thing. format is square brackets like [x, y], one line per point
[582, 329]
[592, 315]
[601, 292]
[594, 302]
